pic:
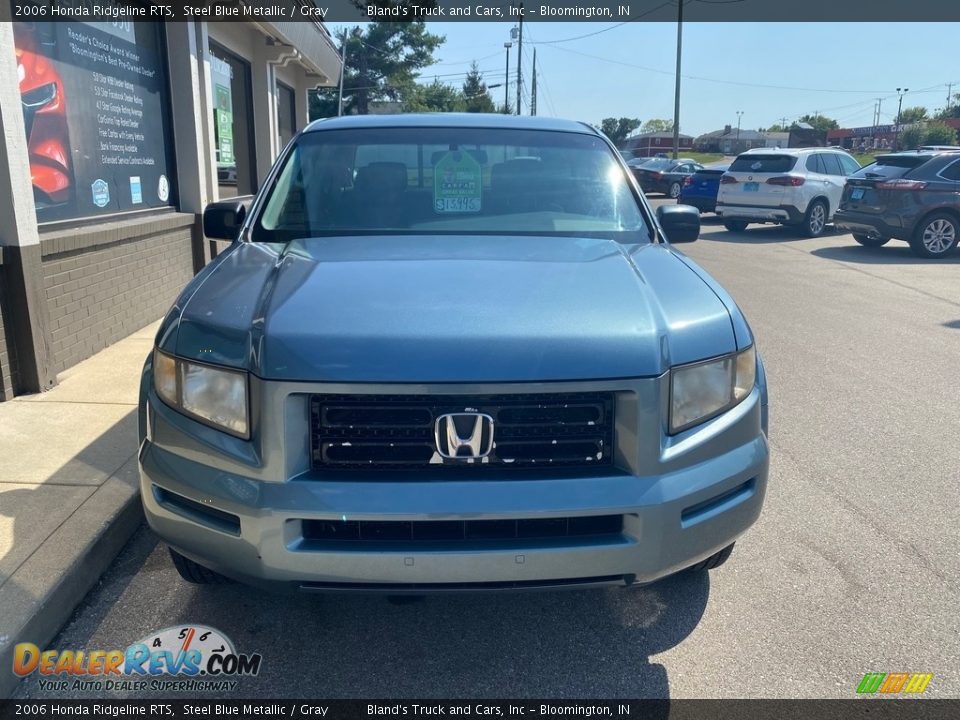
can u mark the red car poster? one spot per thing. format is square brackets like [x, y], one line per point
[95, 108]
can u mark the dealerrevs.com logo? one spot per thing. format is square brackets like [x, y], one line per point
[190, 658]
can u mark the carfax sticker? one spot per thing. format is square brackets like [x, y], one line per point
[457, 183]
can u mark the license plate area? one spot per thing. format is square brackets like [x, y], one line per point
[751, 187]
[857, 193]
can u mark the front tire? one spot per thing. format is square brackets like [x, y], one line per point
[715, 560]
[195, 573]
[674, 190]
[870, 242]
[936, 236]
[735, 225]
[815, 221]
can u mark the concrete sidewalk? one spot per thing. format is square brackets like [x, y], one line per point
[68, 492]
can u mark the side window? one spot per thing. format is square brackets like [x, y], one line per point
[832, 163]
[848, 164]
[815, 164]
[952, 171]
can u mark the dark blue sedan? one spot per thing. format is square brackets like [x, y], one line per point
[700, 189]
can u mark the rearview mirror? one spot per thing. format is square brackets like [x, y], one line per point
[680, 223]
[222, 220]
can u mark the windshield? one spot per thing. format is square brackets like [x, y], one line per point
[450, 181]
[659, 164]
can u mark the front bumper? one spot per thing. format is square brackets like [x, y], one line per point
[251, 526]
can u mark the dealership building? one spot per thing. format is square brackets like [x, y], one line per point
[115, 137]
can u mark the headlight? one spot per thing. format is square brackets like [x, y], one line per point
[703, 390]
[214, 395]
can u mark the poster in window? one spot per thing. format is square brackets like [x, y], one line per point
[95, 111]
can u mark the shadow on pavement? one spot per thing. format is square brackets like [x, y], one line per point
[761, 234]
[894, 254]
[32, 512]
[576, 644]
[953, 324]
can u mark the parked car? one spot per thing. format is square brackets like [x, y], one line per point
[465, 370]
[700, 189]
[664, 175]
[799, 187]
[912, 196]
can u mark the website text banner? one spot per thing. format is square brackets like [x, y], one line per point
[173, 709]
[601, 11]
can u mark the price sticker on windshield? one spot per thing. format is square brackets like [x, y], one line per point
[457, 183]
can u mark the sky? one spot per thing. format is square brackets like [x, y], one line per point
[768, 71]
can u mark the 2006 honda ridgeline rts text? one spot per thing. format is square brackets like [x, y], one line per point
[451, 352]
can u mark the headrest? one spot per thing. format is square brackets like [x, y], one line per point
[378, 177]
[506, 175]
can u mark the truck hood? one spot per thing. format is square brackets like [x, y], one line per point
[452, 309]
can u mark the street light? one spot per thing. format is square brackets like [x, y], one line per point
[739, 115]
[506, 84]
[896, 133]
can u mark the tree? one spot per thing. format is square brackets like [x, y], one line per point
[658, 125]
[476, 97]
[913, 114]
[818, 122]
[938, 133]
[382, 63]
[952, 110]
[434, 97]
[777, 127]
[617, 129]
[911, 138]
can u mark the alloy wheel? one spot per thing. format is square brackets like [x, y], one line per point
[939, 236]
[818, 218]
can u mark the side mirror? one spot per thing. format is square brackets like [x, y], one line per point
[680, 223]
[222, 220]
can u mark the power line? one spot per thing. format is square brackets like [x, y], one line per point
[612, 27]
[713, 80]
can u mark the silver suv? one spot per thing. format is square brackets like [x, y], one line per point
[800, 187]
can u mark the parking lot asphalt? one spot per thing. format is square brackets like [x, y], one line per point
[852, 567]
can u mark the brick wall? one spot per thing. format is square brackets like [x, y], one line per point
[104, 285]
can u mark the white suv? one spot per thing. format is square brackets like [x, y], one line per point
[800, 187]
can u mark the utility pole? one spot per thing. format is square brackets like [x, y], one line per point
[343, 71]
[739, 115]
[506, 80]
[949, 95]
[676, 91]
[896, 131]
[879, 106]
[783, 123]
[533, 87]
[520, 60]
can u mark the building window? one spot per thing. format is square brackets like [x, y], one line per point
[96, 110]
[232, 100]
[286, 114]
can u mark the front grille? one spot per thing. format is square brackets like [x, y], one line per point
[398, 431]
[452, 531]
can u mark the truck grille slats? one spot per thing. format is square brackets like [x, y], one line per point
[399, 431]
[446, 531]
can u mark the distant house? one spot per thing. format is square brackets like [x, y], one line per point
[652, 143]
[731, 141]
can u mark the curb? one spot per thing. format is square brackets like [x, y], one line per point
[42, 594]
